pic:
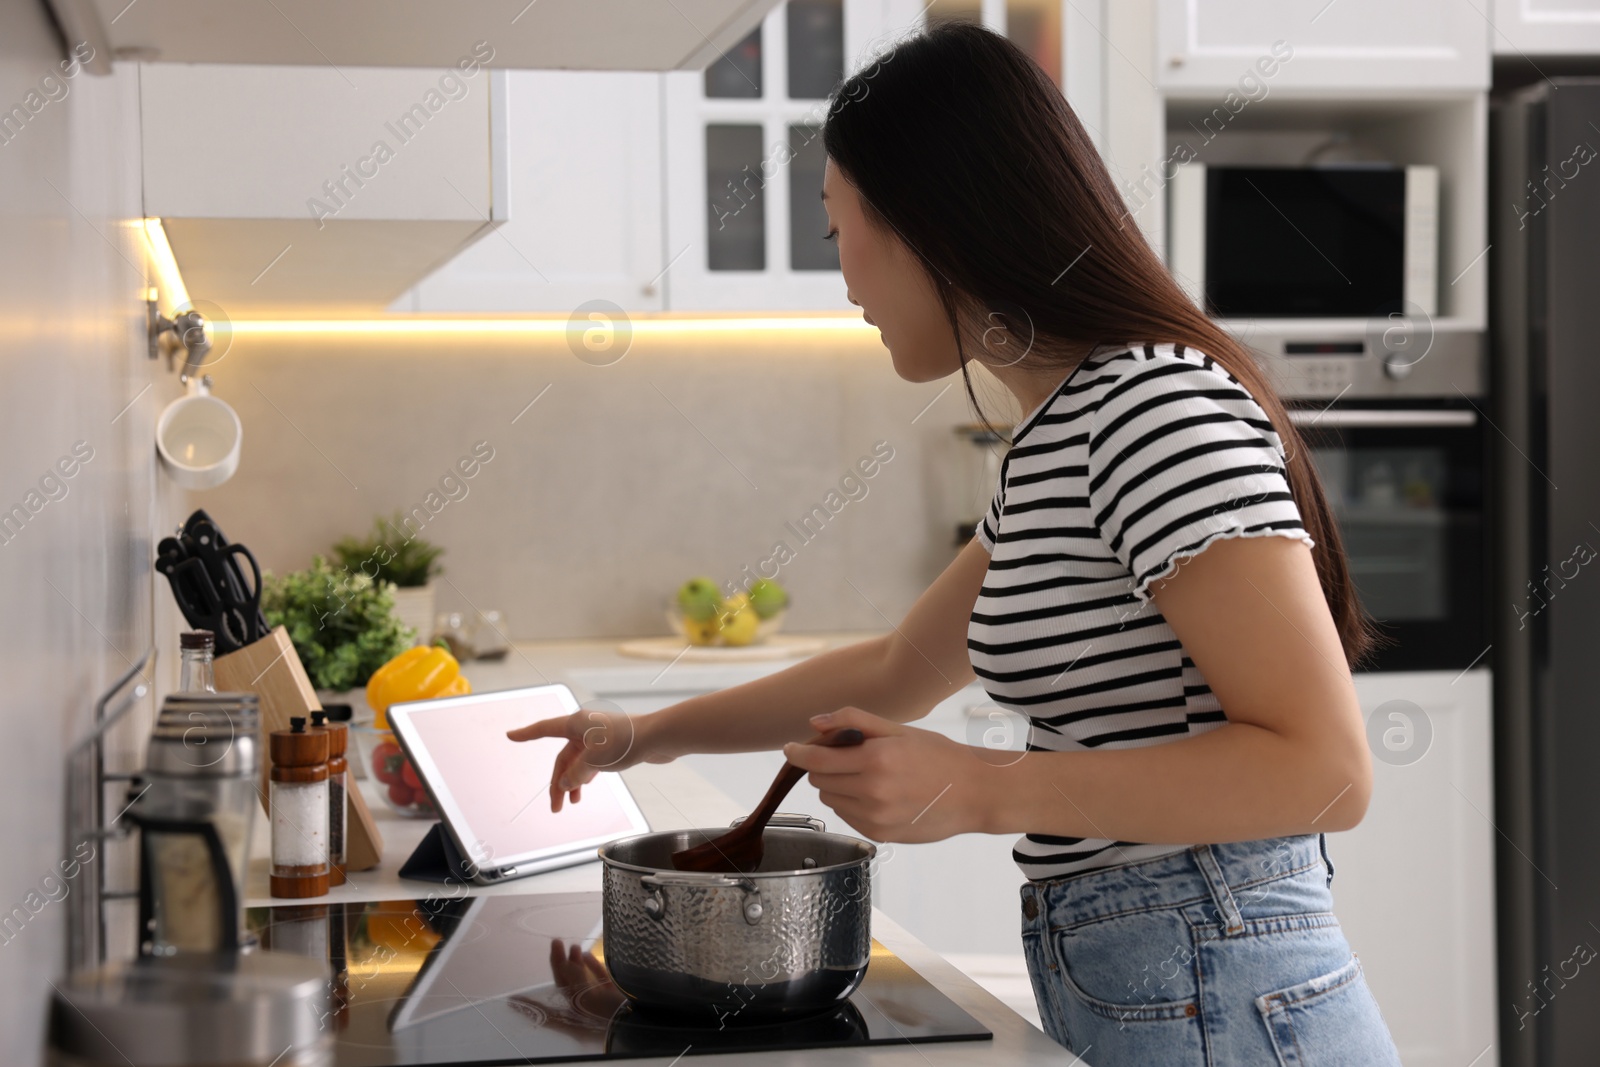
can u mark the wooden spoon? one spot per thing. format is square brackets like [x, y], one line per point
[739, 850]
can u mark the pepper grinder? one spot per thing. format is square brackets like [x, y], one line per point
[338, 782]
[299, 802]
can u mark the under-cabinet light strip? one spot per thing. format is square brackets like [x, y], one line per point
[168, 277]
[543, 326]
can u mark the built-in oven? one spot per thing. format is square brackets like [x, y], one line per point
[1401, 443]
[1405, 480]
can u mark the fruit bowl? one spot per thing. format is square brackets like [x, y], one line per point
[396, 779]
[701, 614]
[681, 626]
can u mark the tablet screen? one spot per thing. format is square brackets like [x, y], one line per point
[494, 793]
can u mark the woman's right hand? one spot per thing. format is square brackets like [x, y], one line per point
[596, 740]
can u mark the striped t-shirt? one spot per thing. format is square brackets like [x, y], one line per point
[1145, 454]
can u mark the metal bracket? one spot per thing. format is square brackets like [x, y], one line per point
[190, 335]
[86, 818]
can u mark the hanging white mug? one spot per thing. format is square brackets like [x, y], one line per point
[198, 437]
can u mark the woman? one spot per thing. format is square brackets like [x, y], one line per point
[1158, 585]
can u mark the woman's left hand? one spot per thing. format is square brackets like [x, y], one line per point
[900, 784]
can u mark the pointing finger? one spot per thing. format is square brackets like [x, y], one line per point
[542, 728]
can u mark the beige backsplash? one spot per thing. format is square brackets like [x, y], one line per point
[695, 454]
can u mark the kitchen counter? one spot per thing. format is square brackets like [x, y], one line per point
[588, 666]
[674, 796]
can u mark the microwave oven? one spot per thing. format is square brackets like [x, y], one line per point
[1350, 240]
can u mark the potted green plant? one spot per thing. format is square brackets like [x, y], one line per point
[342, 624]
[393, 555]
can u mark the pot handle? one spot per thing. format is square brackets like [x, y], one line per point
[695, 878]
[655, 905]
[790, 820]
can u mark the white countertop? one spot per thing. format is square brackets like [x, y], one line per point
[673, 797]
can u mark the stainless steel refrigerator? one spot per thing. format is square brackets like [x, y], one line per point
[1545, 385]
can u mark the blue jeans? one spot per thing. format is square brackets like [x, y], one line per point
[1220, 955]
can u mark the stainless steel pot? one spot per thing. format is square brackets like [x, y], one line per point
[791, 938]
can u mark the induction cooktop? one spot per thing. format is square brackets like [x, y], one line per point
[521, 979]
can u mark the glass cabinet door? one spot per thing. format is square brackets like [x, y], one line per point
[814, 48]
[736, 212]
[736, 75]
[746, 226]
[743, 146]
[808, 222]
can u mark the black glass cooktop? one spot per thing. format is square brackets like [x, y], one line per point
[521, 979]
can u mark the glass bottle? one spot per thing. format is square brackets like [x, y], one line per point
[196, 649]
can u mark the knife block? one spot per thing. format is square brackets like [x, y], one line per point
[272, 670]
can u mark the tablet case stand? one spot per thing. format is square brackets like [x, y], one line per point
[436, 859]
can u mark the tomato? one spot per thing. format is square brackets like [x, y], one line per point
[408, 774]
[386, 760]
[401, 795]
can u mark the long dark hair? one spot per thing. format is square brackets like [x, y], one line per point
[961, 144]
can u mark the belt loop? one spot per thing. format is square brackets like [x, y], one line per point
[1030, 902]
[1211, 870]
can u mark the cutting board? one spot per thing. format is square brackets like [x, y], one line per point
[778, 646]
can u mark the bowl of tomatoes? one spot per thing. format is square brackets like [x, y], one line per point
[397, 779]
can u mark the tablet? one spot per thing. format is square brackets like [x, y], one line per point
[493, 794]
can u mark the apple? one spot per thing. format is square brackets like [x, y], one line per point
[768, 597]
[698, 599]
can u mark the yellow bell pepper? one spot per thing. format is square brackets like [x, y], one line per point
[420, 673]
[397, 927]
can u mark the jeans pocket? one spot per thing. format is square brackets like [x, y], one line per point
[1127, 990]
[1134, 968]
[1331, 1021]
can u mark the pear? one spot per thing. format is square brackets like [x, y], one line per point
[739, 621]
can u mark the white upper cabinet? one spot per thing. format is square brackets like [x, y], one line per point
[744, 159]
[1561, 27]
[536, 34]
[583, 152]
[743, 148]
[700, 190]
[295, 190]
[1206, 45]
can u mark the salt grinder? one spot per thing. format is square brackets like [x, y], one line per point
[299, 802]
